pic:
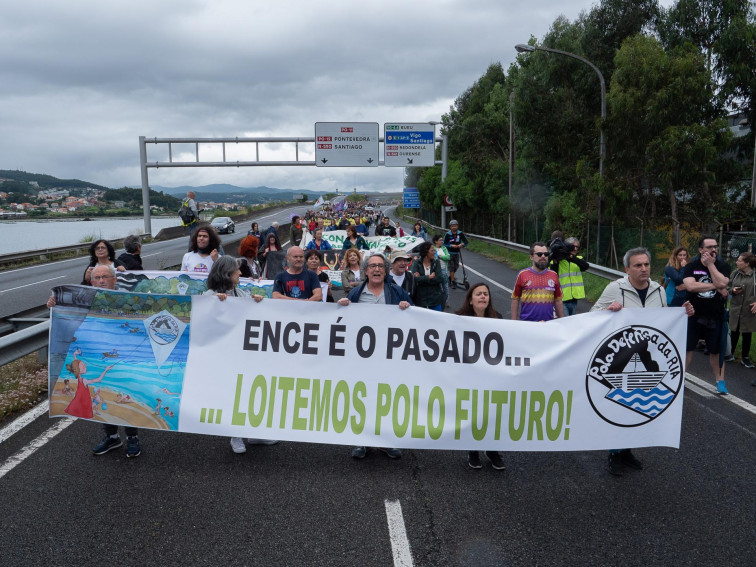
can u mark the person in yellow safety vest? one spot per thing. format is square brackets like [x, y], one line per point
[570, 272]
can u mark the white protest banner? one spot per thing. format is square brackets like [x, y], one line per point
[378, 376]
[375, 243]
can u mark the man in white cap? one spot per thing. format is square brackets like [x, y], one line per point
[400, 261]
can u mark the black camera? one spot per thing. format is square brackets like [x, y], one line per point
[560, 250]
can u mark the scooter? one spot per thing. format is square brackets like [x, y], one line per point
[465, 283]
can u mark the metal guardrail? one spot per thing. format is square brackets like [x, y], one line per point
[23, 342]
[50, 251]
[596, 269]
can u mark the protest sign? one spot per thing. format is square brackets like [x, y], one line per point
[376, 375]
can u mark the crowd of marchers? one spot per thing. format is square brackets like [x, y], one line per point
[549, 288]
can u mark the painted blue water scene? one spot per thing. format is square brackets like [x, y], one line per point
[125, 371]
[639, 388]
[648, 402]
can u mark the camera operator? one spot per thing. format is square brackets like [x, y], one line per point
[565, 261]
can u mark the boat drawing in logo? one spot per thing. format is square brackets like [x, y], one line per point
[631, 378]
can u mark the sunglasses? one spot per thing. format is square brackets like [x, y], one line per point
[539, 254]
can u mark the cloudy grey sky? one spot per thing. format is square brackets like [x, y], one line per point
[81, 80]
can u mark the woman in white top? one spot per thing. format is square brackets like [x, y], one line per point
[203, 251]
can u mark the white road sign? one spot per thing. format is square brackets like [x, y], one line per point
[346, 144]
[409, 145]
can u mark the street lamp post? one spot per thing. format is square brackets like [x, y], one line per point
[523, 48]
[511, 163]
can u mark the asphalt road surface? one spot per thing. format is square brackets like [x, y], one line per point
[188, 500]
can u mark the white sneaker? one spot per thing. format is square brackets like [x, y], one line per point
[237, 445]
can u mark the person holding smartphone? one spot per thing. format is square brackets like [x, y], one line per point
[706, 277]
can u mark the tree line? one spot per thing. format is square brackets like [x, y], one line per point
[673, 76]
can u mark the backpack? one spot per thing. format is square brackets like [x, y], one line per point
[186, 214]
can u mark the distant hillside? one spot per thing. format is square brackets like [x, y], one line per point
[224, 192]
[47, 181]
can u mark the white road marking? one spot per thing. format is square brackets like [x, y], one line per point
[398, 534]
[35, 283]
[704, 385]
[727, 419]
[497, 284]
[20, 422]
[698, 390]
[13, 461]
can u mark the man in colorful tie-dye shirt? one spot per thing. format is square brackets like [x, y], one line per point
[537, 289]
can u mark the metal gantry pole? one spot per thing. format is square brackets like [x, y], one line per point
[511, 163]
[444, 171]
[145, 185]
[753, 173]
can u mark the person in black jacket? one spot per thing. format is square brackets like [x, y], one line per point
[131, 258]
[384, 228]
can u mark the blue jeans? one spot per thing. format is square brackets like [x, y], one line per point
[570, 307]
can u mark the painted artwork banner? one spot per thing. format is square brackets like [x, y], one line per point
[181, 283]
[369, 375]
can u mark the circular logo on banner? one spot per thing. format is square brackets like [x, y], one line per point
[163, 329]
[634, 376]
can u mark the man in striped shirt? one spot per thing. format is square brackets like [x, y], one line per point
[537, 295]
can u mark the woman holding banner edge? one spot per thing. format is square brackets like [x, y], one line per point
[478, 304]
[223, 282]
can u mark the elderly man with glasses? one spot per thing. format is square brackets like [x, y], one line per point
[377, 289]
[537, 289]
[104, 276]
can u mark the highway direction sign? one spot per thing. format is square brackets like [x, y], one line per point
[409, 145]
[411, 198]
[346, 144]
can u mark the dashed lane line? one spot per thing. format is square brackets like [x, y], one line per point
[31, 284]
[398, 534]
[13, 461]
[497, 284]
[20, 422]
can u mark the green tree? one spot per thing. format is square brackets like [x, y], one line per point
[658, 134]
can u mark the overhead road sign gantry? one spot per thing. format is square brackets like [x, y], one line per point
[410, 144]
[346, 144]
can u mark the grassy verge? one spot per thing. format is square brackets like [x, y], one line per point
[23, 384]
[594, 285]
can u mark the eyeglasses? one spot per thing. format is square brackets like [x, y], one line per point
[539, 254]
[375, 266]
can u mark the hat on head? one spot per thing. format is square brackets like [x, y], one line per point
[399, 254]
[453, 222]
